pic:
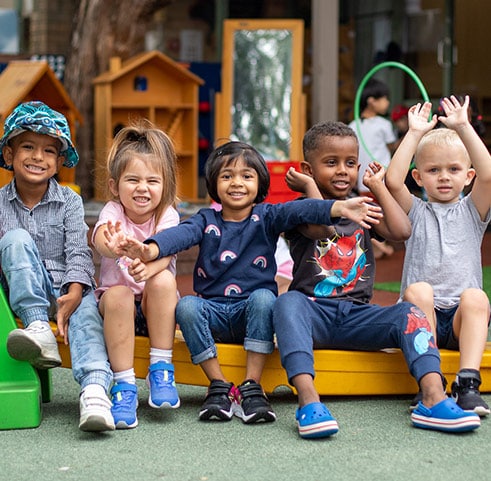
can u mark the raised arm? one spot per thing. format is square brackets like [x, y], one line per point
[456, 118]
[306, 185]
[399, 165]
[395, 225]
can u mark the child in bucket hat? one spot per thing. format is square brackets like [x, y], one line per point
[46, 266]
[38, 117]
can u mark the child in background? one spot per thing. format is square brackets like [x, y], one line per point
[378, 137]
[399, 118]
[442, 271]
[234, 275]
[377, 132]
[328, 304]
[46, 264]
[137, 298]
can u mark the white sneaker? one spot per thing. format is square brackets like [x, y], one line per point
[35, 344]
[95, 409]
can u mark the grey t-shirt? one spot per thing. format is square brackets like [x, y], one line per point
[445, 248]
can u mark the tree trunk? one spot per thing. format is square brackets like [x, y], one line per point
[102, 29]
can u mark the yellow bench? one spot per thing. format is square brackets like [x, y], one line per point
[337, 372]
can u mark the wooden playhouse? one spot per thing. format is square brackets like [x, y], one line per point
[153, 86]
[26, 80]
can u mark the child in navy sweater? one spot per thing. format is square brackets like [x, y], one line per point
[234, 275]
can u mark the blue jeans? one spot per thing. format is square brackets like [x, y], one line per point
[32, 297]
[303, 324]
[206, 321]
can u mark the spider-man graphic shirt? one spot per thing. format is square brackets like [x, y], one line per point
[341, 266]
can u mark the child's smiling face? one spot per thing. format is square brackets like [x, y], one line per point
[334, 166]
[237, 187]
[35, 158]
[139, 189]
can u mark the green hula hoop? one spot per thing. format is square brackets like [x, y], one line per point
[366, 78]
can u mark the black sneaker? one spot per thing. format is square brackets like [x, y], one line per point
[465, 392]
[219, 401]
[252, 403]
[419, 396]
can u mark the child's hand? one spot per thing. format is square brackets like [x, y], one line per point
[297, 181]
[455, 114]
[115, 238]
[66, 306]
[360, 210]
[418, 118]
[139, 271]
[122, 245]
[373, 175]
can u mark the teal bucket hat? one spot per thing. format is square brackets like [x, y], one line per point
[39, 118]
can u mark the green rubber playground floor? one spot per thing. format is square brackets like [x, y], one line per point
[376, 442]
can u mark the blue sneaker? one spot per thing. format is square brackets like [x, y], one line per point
[445, 416]
[314, 420]
[125, 403]
[163, 391]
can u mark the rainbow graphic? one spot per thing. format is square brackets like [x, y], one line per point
[227, 255]
[232, 289]
[212, 229]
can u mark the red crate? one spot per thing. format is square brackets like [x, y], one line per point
[278, 190]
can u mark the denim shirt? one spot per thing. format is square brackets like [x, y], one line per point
[58, 228]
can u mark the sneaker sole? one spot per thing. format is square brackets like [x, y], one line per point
[23, 348]
[447, 425]
[323, 429]
[265, 416]
[96, 423]
[216, 413]
[125, 425]
[164, 405]
[479, 410]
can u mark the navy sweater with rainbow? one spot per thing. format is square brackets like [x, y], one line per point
[236, 258]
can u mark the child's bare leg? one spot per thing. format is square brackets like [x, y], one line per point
[211, 367]
[117, 307]
[471, 327]
[304, 384]
[255, 365]
[421, 295]
[432, 388]
[159, 305]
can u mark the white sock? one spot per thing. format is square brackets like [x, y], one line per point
[125, 376]
[157, 355]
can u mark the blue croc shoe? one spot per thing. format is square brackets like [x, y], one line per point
[163, 391]
[445, 416]
[314, 420]
[125, 402]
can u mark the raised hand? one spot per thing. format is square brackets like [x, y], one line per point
[297, 181]
[374, 175]
[418, 118]
[456, 115]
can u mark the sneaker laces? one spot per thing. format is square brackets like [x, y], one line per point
[123, 396]
[162, 377]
